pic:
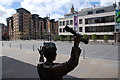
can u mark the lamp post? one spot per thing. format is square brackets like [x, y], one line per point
[114, 5]
[49, 32]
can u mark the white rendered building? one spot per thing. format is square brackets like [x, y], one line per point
[0, 32]
[96, 20]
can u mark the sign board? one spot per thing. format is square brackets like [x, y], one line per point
[117, 16]
[75, 23]
[48, 22]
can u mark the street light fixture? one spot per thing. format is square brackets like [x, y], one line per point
[115, 5]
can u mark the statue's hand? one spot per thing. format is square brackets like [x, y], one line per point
[40, 51]
[41, 59]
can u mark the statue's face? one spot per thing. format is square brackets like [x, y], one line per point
[52, 53]
[54, 56]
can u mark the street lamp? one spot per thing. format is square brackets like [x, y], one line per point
[114, 5]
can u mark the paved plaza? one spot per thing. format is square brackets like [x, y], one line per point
[95, 50]
[21, 57]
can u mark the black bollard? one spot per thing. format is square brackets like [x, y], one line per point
[20, 46]
[2, 44]
[33, 47]
[10, 44]
[83, 54]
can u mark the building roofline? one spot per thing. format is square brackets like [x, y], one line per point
[35, 14]
[23, 9]
[92, 8]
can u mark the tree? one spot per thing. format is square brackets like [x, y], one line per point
[61, 38]
[94, 37]
[55, 37]
[85, 36]
[106, 37]
[68, 38]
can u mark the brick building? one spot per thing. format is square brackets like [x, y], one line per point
[24, 25]
[35, 31]
[4, 32]
[10, 25]
[20, 24]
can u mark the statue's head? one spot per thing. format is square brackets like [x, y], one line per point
[49, 50]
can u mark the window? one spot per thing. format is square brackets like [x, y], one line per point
[63, 30]
[63, 23]
[67, 22]
[60, 30]
[111, 37]
[89, 21]
[100, 11]
[80, 29]
[90, 29]
[71, 22]
[60, 23]
[80, 21]
[90, 12]
[97, 20]
[109, 19]
[109, 28]
[86, 21]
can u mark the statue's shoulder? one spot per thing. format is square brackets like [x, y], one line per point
[40, 63]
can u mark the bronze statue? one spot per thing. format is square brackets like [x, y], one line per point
[55, 71]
